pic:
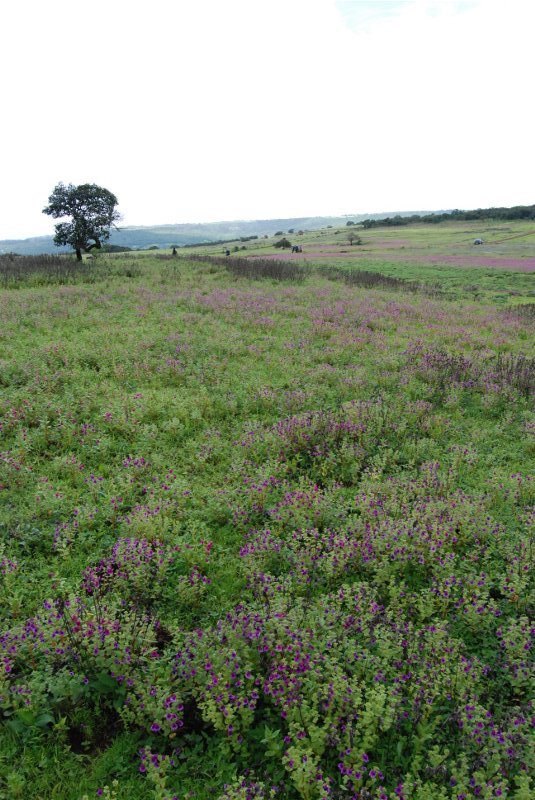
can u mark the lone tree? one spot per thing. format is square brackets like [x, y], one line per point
[92, 212]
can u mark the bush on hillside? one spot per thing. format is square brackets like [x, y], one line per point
[283, 243]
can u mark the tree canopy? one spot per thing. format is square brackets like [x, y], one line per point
[92, 212]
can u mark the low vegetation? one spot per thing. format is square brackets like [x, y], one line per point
[16, 270]
[265, 538]
[258, 269]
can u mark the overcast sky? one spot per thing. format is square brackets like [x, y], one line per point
[204, 110]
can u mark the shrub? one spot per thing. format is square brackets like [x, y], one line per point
[283, 243]
[257, 268]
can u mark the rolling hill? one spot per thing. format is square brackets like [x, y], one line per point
[180, 235]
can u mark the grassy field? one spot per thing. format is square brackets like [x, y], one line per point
[270, 538]
[444, 256]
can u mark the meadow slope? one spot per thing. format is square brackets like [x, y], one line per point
[268, 538]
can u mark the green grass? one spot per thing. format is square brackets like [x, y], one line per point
[415, 253]
[167, 401]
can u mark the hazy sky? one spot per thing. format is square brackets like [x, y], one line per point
[204, 110]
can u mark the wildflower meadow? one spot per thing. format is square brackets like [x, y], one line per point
[267, 534]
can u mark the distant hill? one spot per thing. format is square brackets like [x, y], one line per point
[141, 237]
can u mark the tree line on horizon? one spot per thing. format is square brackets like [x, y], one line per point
[504, 214]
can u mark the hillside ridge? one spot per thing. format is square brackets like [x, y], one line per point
[181, 234]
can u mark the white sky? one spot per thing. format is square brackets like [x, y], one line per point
[203, 110]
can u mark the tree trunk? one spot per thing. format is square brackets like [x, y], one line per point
[78, 254]
[91, 246]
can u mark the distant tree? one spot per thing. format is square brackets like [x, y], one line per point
[92, 213]
[283, 243]
[115, 248]
[278, 233]
[291, 230]
[350, 222]
[353, 238]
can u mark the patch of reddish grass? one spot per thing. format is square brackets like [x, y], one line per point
[498, 262]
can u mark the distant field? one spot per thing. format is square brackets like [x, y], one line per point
[270, 538]
[502, 268]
